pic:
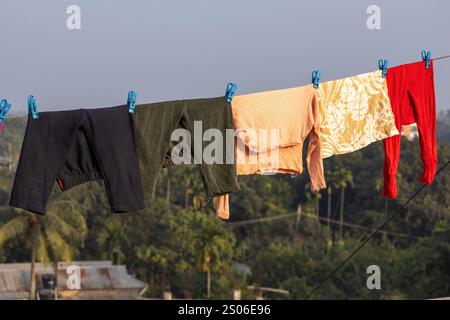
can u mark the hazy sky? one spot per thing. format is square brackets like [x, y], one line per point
[172, 49]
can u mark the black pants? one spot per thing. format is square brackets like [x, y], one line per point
[76, 146]
[155, 124]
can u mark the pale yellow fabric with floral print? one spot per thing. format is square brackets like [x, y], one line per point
[355, 112]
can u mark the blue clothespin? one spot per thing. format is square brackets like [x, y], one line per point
[4, 108]
[32, 107]
[426, 56]
[132, 96]
[231, 89]
[383, 65]
[315, 78]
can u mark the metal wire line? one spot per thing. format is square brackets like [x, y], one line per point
[290, 215]
[440, 58]
[434, 59]
[373, 234]
[15, 116]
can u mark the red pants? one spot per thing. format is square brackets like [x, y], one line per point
[411, 91]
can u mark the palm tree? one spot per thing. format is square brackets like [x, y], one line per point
[111, 241]
[212, 245]
[379, 185]
[329, 191]
[186, 182]
[168, 186]
[331, 178]
[314, 196]
[193, 189]
[158, 259]
[344, 178]
[54, 236]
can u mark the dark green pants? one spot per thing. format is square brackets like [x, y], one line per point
[154, 125]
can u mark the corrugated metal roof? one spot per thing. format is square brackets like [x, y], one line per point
[24, 266]
[95, 275]
[104, 278]
[40, 266]
[105, 263]
[5, 160]
[14, 281]
[14, 295]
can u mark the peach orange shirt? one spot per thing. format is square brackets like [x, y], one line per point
[270, 129]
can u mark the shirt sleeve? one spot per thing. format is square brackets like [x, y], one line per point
[222, 206]
[314, 154]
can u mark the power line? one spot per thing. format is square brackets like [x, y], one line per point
[373, 234]
[357, 226]
[290, 215]
[255, 221]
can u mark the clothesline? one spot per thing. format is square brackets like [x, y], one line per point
[20, 116]
[15, 116]
[143, 164]
[443, 57]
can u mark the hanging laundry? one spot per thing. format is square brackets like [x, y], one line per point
[294, 114]
[76, 146]
[411, 91]
[155, 124]
[348, 115]
[355, 112]
[222, 206]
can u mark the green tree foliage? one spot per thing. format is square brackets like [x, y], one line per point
[177, 244]
[55, 236]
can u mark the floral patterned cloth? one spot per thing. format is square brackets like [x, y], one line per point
[355, 112]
